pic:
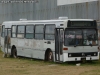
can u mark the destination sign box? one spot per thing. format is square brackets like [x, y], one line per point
[82, 24]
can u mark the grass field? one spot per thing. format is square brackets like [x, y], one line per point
[23, 66]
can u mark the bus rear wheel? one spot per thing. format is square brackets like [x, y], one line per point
[50, 56]
[14, 52]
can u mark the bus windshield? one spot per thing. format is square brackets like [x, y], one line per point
[80, 37]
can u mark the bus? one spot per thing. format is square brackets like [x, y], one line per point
[51, 40]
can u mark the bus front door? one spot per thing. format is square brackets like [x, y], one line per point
[58, 44]
[7, 41]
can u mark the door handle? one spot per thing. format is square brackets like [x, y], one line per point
[48, 42]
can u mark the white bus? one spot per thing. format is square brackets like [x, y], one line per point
[51, 40]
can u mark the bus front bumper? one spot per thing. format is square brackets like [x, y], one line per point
[82, 58]
[66, 57]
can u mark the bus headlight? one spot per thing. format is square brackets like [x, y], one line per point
[94, 54]
[70, 55]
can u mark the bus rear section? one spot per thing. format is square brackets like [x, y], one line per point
[78, 43]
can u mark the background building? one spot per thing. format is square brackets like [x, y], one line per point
[50, 9]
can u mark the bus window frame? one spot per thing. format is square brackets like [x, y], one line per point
[12, 29]
[20, 33]
[49, 33]
[38, 33]
[2, 31]
[30, 33]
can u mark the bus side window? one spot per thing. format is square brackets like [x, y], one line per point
[49, 31]
[29, 33]
[13, 31]
[39, 31]
[20, 31]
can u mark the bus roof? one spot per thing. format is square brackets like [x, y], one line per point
[48, 20]
[8, 24]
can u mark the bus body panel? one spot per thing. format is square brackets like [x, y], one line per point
[82, 49]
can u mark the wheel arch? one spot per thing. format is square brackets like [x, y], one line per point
[46, 53]
[13, 46]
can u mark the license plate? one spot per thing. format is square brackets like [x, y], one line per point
[83, 59]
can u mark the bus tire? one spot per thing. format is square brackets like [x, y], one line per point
[14, 52]
[50, 56]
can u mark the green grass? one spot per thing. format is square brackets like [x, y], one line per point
[36, 61]
[32, 61]
[26, 66]
[0, 50]
[93, 63]
[92, 72]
